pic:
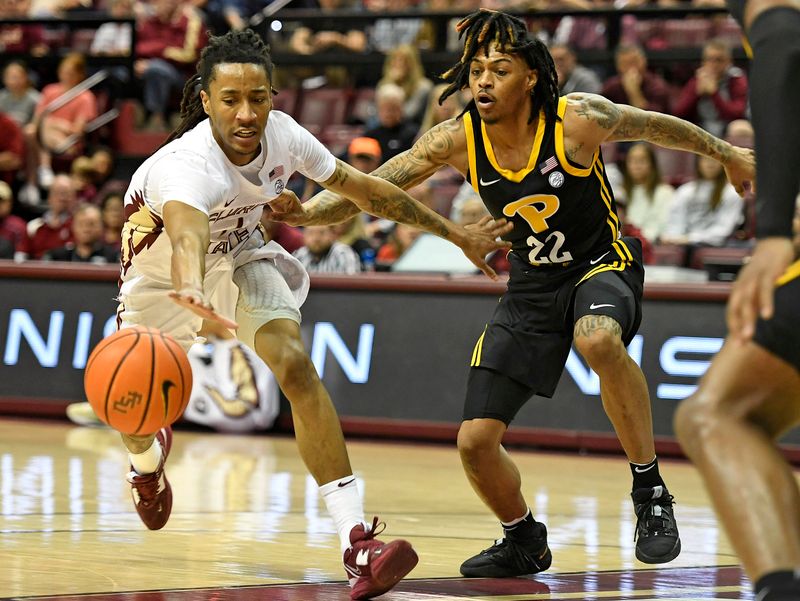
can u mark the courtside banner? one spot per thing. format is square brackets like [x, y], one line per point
[387, 348]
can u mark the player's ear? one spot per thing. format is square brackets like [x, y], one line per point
[533, 77]
[205, 99]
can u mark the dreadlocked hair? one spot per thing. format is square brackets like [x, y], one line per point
[485, 27]
[233, 47]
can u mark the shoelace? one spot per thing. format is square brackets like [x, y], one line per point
[647, 515]
[375, 529]
[518, 555]
[147, 487]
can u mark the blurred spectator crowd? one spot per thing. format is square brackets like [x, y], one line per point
[62, 181]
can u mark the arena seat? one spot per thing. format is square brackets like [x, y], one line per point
[323, 107]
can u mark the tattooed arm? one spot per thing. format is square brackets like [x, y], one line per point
[382, 198]
[594, 119]
[443, 144]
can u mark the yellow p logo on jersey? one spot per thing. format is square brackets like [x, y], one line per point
[535, 209]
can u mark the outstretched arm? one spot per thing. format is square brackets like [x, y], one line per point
[384, 199]
[600, 120]
[438, 146]
[188, 232]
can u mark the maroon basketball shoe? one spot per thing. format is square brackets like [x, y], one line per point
[152, 494]
[373, 567]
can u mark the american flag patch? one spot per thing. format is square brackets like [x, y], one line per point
[548, 165]
[277, 172]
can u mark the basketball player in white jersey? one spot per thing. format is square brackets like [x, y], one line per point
[193, 256]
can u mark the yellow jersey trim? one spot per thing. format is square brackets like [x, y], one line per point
[473, 165]
[562, 157]
[612, 219]
[516, 176]
[792, 272]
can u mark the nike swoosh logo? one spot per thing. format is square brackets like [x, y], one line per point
[165, 387]
[597, 260]
[494, 181]
[343, 484]
[642, 471]
[231, 200]
[593, 306]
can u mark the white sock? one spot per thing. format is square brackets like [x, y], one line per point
[513, 523]
[147, 462]
[344, 504]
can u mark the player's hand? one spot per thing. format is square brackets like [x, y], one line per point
[753, 292]
[741, 169]
[196, 303]
[287, 208]
[482, 239]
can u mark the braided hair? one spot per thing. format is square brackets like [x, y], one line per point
[485, 27]
[233, 47]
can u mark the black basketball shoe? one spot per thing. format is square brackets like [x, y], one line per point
[509, 557]
[657, 539]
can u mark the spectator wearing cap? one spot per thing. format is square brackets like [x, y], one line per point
[364, 154]
[14, 243]
[87, 240]
[393, 133]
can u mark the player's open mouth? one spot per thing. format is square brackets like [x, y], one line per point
[485, 101]
[245, 134]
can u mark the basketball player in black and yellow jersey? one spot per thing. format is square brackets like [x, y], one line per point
[750, 395]
[535, 160]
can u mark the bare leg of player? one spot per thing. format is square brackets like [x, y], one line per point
[728, 427]
[626, 401]
[623, 388]
[319, 435]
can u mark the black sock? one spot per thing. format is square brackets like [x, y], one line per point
[525, 530]
[646, 475]
[778, 586]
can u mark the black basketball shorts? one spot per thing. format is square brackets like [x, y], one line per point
[529, 336]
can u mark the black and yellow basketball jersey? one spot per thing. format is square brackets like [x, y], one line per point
[561, 212]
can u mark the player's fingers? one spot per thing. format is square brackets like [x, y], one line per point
[748, 311]
[766, 295]
[485, 268]
[221, 319]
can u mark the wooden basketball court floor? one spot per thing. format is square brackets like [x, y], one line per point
[248, 524]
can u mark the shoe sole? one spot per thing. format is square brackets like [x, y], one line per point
[396, 560]
[674, 552]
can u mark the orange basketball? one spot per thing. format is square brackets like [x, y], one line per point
[138, 380]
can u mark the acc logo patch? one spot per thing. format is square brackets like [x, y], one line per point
[556, 179]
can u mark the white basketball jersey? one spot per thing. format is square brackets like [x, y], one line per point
[194, 170]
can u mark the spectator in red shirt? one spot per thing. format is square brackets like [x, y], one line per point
[12, 148]
[87, 240]
[717, 94]
[168, 45]
[53, 229]
[13, 230]
[57, 125]
[634, 84]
